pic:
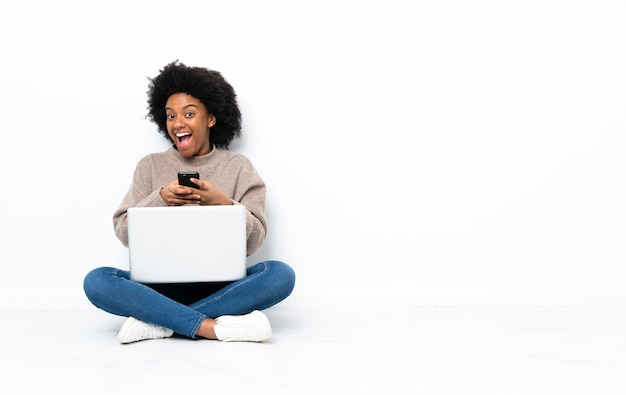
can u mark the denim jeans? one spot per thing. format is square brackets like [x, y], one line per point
[112, 290]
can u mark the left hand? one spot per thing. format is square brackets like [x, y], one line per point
[207, 195]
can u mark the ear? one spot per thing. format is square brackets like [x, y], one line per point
[212, 120]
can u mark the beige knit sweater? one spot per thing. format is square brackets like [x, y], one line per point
[230, 172]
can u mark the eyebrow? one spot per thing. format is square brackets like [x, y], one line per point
[185, 107]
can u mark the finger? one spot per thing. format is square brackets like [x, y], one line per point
[182, 191]
[203, 184]
[188, 198]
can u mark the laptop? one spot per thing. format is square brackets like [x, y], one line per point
[187, 243]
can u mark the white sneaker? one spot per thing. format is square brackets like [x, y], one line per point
[134, 330]
[253, 327]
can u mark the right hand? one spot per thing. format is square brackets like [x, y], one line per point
[177, 195]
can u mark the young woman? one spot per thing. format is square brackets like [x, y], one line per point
[196, 109]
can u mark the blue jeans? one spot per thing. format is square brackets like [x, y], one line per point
[112, 290]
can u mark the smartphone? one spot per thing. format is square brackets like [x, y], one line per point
[184, 176]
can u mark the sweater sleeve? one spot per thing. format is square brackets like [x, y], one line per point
[250, 191]
[140, 194]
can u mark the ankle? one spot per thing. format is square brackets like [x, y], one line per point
[207, 329]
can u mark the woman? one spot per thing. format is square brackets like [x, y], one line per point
[196, 109]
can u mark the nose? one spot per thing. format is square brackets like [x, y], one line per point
[178, 122]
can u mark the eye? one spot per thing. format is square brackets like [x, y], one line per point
[189, 115]
[169, 116]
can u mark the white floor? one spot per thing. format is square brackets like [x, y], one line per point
[326, 349]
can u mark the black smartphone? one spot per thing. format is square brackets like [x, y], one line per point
[184, 176]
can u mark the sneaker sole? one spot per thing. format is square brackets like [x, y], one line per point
[124, 330]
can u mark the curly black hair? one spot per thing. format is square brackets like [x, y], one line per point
[206, 85]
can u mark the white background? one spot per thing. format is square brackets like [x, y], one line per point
[423, 152]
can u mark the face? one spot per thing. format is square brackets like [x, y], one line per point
[189, 124]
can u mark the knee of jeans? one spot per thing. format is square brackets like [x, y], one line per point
[284, 274]
[94, 282]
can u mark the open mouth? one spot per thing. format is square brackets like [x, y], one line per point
[184, 139]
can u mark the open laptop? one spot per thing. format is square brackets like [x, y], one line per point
[187, 243]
